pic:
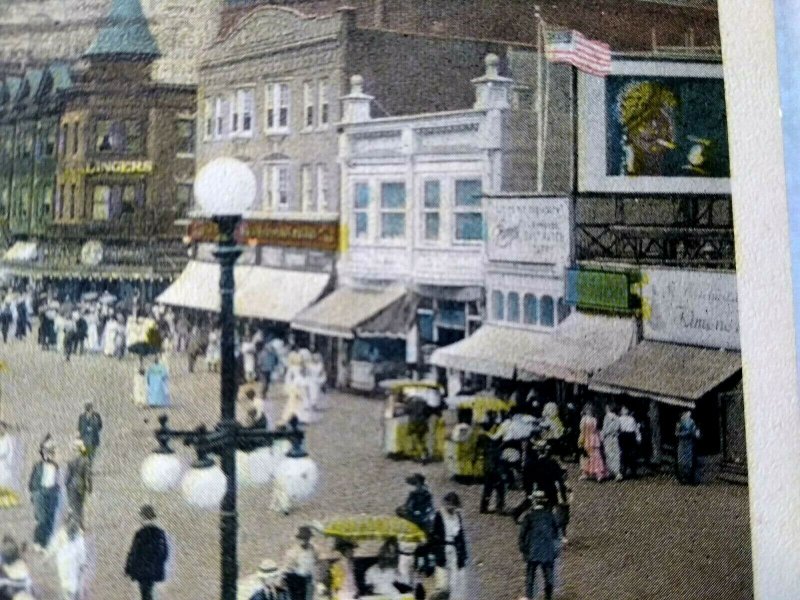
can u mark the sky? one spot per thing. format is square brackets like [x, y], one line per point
[787, 16]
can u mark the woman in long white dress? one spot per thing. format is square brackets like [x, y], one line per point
[92, 336]
[7, 466]
[214, 350]
[139, 387]
[317, 378]
[296, 390]
[109, 336]
[249, 360]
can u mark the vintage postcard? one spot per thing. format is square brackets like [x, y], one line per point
[432, 299]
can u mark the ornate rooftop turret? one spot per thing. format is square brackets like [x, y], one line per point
[126, 35]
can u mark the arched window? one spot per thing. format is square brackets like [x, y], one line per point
[513, 307]
[547, 318]
[563, 310]
[531, 309]
[498, 309]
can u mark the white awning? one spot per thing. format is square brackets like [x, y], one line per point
[261, 292]
[21, 252]
[341, 312]
[669, 373]
[582, 345]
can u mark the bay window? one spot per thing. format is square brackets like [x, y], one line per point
[361, 210]
[467, 210]
[513, 307]
[498, 305]
[432, 195]
[531, 309]
[242, 116]
[546, 314]
[393, 210]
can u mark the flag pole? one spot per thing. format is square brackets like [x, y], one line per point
[539, 102]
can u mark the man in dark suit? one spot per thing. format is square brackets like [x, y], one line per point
[5, 321]
[90, 424]
[148, 554]
[538, 545]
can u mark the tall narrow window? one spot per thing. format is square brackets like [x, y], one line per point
[531, 309]
[236, 115]
[280, 186]
[324, 111]
[393, 210]
[246, 97]
[59, 208]
[430, 209]
[361, 210]
[278, 105]
[219, 117]
[546, 311]
[308, 104]
[75, 138]
[185, 136]
[498, 306]
[73, 200]
[322, 187]
[513, 307]
[468, 213]
[306, 191]
[208, 115]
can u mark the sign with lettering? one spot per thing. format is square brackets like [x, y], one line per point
[529, 230]
[601, 290]
[121, 167]
[266, 232]
[691, 307]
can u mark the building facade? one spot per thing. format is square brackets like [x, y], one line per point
[121, 172]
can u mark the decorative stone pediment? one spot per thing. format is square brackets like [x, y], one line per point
[272, 27]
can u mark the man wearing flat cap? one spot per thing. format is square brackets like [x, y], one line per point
[300, 566]
[418, 507]
[78, 482]
[538, 544]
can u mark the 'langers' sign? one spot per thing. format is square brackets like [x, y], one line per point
[698, 308]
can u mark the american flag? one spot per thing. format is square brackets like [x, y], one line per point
[576, 49]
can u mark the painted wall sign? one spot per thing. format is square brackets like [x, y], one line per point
[691, 307]
[291, 234]
[601, 290]
[529, 230]
[653, 127]
[120, 167]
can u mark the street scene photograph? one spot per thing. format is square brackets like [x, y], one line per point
[368, 299]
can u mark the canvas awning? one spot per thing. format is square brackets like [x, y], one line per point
[582, 345]
[348, 308]
[21, 252]
[670, 373]
[261, 292]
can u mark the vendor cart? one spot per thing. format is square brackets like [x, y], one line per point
[403, 399]
[463, 449]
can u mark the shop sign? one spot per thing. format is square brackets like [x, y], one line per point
[119, 167]
[601, 290]
[289, 234]
[699, 308]
[529, 230]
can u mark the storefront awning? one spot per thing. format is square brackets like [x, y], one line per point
[582, 345]
[21, 252]
[261, 292]
[670, 373]
[347, 308]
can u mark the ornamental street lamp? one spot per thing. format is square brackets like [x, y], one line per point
[224, 189]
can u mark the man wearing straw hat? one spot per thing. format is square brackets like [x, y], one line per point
[45, 491]
[271, 582]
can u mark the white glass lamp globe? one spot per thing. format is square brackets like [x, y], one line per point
[162, 471]
[263, 463]
[225, 187]
[204, 486]
[298, 476]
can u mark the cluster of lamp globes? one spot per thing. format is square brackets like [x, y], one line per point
[227, 187]
[204, 484]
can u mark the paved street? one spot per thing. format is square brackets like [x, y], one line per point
[643, 540]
